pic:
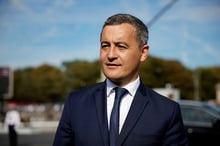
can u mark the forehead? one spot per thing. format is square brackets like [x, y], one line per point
[118, 31]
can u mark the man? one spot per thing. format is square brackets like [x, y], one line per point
[146, 118]
[12, 123]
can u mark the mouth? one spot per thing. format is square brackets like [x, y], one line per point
[112, 65]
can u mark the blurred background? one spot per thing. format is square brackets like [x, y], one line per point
[49, 48]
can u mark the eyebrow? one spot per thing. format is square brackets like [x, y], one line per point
[104, 42]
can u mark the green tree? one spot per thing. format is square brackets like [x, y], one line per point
[23, 85]
[180, 77]
[81, 73]
[208, 78]
[152, 72]
[156, 72]
[49, 83]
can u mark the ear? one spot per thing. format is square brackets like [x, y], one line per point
[144, 53]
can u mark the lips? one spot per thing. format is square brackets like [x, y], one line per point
[112, 64]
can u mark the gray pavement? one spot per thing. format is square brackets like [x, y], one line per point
[37, 133]
[37, 139]
[33, 127]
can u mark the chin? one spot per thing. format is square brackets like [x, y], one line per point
[115, 80]
[112, 76]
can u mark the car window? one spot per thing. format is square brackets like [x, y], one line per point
[197, 114]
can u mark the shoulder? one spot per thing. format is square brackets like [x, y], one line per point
[156, 98]
[83, 97]
[86, 92]
[88, 89]
[158, 103]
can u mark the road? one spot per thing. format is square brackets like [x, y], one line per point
[36, 139]
[38, 133]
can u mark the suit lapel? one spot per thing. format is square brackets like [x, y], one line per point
[137, 107]
[101, 108]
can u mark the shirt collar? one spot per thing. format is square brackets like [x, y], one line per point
[131, 87]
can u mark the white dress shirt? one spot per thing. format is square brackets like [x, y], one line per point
[125, 101]
[13, 118]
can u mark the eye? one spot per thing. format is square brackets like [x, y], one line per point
[104, 45]
[122, 46]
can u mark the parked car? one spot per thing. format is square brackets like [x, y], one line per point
[202, 122]
[213, 106]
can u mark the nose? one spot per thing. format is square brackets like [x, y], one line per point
[112, 54]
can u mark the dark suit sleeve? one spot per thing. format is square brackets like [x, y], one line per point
[64, 134]
[176, 134]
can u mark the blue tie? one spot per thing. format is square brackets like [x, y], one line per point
[114, 120]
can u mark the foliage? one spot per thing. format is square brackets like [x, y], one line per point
[157, 72]
[81, 73]
[41, 84]
[23, 85]
[152, 72]
[209, 78]
[47, 83]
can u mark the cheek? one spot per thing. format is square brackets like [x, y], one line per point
[131, 57]
[101, 55]
[131, 61]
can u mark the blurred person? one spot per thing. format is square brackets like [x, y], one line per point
[12, 123]
[89, 117]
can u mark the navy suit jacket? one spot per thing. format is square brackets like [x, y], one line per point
[153, 120]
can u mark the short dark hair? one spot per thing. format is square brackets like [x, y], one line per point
[141, 28]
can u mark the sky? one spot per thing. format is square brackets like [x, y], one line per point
[35, 32]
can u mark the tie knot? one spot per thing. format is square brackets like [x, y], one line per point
[120, 92]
